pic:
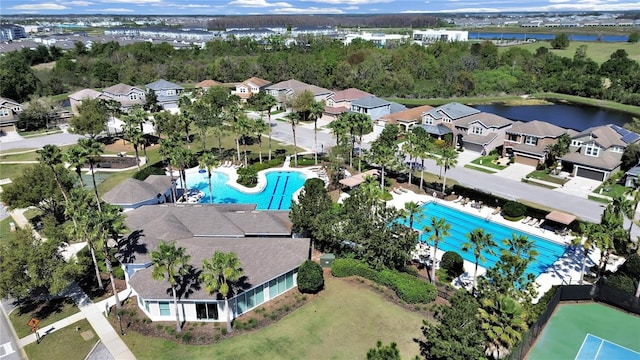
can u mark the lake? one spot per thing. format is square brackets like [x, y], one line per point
[577, 117]
[541, 37]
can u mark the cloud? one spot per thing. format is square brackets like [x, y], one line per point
[194, 6]
[41, 6]
[79, 3]
[117, 10]
[136, 2]
[258, 3]
[310, 10]
[349, 2]
[352, 8]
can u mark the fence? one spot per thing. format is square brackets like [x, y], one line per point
[599, 293]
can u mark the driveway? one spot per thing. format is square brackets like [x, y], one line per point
[40, 141]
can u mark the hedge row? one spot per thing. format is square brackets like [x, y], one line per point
[407, 287]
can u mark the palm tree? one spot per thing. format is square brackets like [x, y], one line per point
[132, 129]
[585, 239]
[412, 208]
[448, 159]
[504, 322]
[243, 126]
[264, 102]
[315, 113]
[340, 126]
[81, 210]
[362, 125]
[624, 206]
[182, 158]
[294, 118]
[209, 161]
[479, 241]
[51, 156]
[93, 149]
[167, 149]
[220, 274]
[76, 156]
[440, 228]
[259, 128]
[170, 263]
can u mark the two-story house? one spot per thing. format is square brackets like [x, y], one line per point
[126, 95]
[167, 93]
[286, 90]
[406, 119]
[375, 107]
[77, 97]
[481, 132]
[340, 102]
[596, 152]
[9, 110]
[252, 85]
[527, 142]
[206, 84]
[447, 113]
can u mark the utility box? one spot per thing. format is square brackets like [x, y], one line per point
[326, 260]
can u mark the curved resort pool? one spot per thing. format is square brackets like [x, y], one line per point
[463, 223]
[276, 195]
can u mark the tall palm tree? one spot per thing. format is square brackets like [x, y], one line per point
[585, 239]
[76, 156]
[410, 147]
[259, 128]
[182, 158]
[294, 118]
[340, 126]
[448, 159]
[51, 156]
[93, 149]
[81, 210]
[315, 113]
[412, 208]
[168, 147]
[209, 161]
[262, 102]
[170, 263]
[362, 125]
[132, 129]
[621, 204]
[220, 274]
[503, 320]
[479, 241]
[243, 127]
[440, 228]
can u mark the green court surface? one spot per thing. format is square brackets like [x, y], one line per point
[565, 332]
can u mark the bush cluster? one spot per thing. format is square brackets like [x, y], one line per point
[310, 277]
[453, 263]
[514, 209]
[408, 288]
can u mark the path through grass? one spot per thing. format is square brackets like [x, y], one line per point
[343, 323]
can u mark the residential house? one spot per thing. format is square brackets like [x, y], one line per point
[481, 132]
[406, 118]
[596, 153]
[126, 95]
[447, 113]
[206, 84]
[167, 92]
[340, 102]
[631, 177]
[375, 107]
[269, 255]
[9, 110]
[527, 142]
[252, 85]
[132, 193]
[77, 97]
[285, 90]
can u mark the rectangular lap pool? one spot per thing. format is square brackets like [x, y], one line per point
[463, 223]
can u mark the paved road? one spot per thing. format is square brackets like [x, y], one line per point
[40, 141]
[9, 349]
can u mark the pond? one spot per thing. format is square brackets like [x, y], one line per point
[577, 117]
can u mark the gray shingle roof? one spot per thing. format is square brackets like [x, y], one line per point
[487, 119]
[163, 84]
[439, 129]
[120, 89]
[370, 102]
[536, 128]
[453, 110]
[132, 191]
[605, 161]
[607, 135]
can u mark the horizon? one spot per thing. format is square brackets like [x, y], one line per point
[308, 7]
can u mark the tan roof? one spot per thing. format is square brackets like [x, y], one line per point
[85, 94]
[208, 83]
[7, 100]
[298, 87]
[560, 217]
[350, 94]
[120, 89]
[605, 161]
[603, 135]
[413, 114]
[487, 119]
[480, 139]
[358, 179]
[130, 192]
[536, 128]
[335, 110]
[257, 81]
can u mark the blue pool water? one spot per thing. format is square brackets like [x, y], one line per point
[463, 223]
[276, 195]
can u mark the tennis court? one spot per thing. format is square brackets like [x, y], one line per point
[595, 348]
[588, 331]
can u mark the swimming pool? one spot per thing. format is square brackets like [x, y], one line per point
[463, 223]
[276, 195]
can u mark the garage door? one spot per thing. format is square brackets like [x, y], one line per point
[472, 147]
[590, 174]
[7, 128]
[526, 160]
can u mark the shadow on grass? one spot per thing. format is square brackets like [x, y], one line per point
[42, 309]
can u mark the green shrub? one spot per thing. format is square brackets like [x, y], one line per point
[622, 282]
[351, 267]
[453, 263]
[631, 266]
[248, 176]
[154, 169]
[310, 277]
[514, 209]
[186, 337]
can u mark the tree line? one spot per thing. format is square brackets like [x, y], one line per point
[402, 70]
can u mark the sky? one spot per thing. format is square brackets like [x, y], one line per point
[292, 7]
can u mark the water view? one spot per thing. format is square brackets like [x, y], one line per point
[543, 37]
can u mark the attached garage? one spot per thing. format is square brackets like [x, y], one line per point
[5, 128]
[472, 147]
[526, 160]
[590, 174]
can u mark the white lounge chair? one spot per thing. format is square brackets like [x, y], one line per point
[458, 199]
[527, 220]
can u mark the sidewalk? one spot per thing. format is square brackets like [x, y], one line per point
[94, 313]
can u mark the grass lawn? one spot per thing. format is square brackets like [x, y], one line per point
[5, 230]
[57, 309]
[38, 133]
[598, 51]
[344, 322]
[544, 176]
[13, 171]
[611, 190]
[26, 156]
[477, 168]
[488, 161]
[64, 344]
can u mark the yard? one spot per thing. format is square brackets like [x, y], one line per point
[489, 161]
[65, 344]
[545, 176]
[598, 51]
[343, 322]
[47, 313]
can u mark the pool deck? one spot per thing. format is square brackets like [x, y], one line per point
[566, 270]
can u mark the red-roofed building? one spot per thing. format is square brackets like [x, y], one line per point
[252, 85]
